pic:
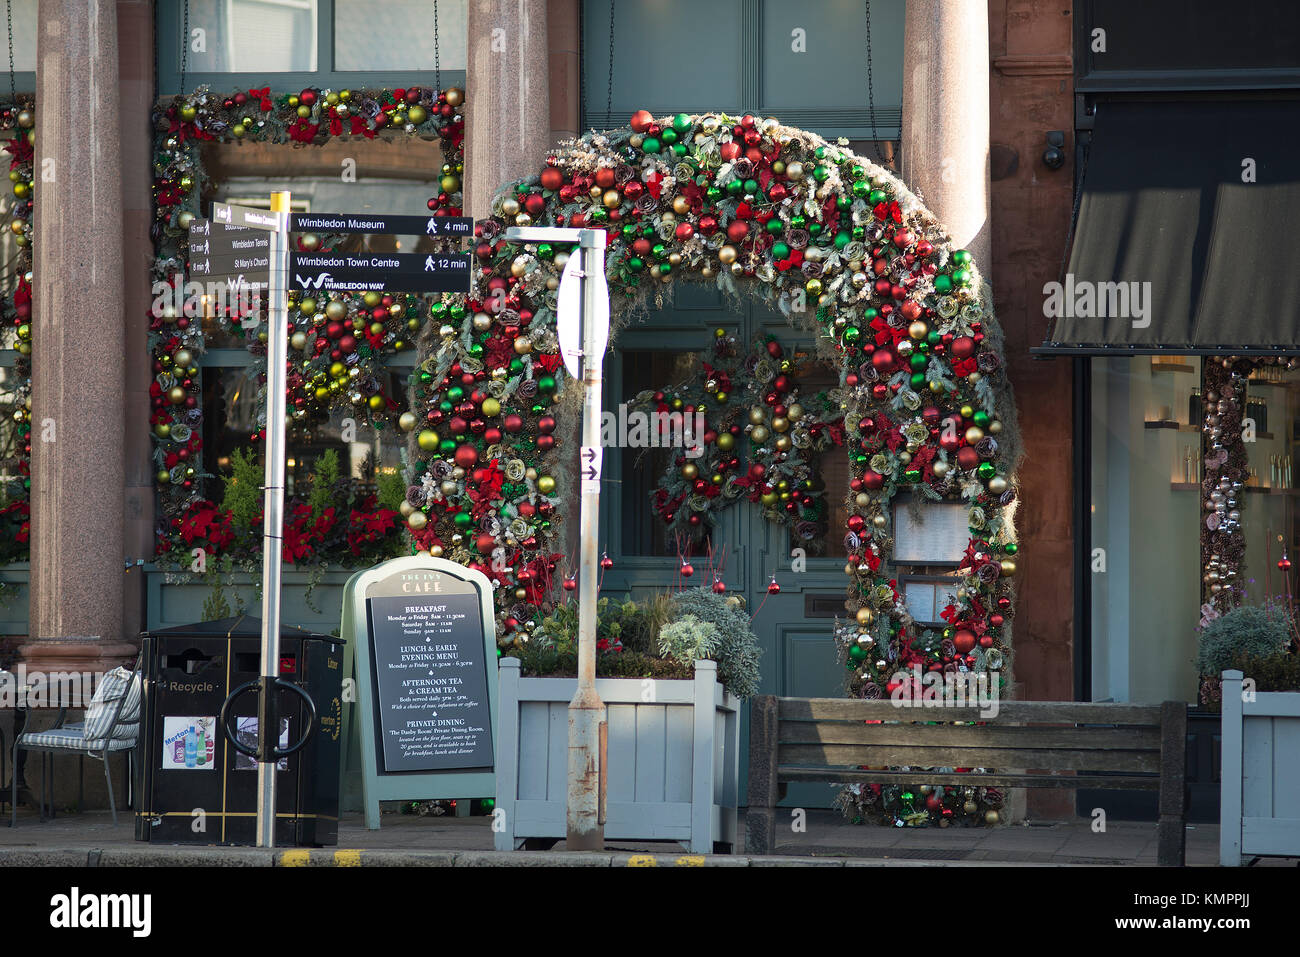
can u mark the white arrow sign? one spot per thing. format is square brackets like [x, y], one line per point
[568, 324]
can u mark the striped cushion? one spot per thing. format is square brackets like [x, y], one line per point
[71, 737]
[115, 685]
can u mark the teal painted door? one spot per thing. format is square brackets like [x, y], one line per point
[793, 626]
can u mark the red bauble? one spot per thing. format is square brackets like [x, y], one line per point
[552, 178]
[986, 641]
[963, 347]
[546, 424]
[485, 543]
[729, 151]
[492, 436]
[902, 238]
[737, 230]
[534, 204]
[684, 231]
[641, 121]
[513, 422]
[967, 458]
[884, 360]
[911, 310]
[773, 588]
[687, 569]
[570, 584]
[856, 523]
[466, 456]
[605, 177]
[708, 223]
[606, 562]
[719, 586]
[964, 641]
[930, 414]
[873, 480]
[545, 442]
[996, 621]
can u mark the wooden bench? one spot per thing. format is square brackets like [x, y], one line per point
[828, 740]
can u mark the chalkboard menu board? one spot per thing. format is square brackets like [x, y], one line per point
[431, 680]
[425, 665]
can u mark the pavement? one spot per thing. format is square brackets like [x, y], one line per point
[91, 839]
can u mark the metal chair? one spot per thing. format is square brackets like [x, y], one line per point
[112, 723]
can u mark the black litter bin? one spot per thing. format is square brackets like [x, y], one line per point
[194, 787]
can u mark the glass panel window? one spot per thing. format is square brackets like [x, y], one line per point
[830, 466]
[1145, 528]
[1270, 520]
[22, 15]
[398, 35]
[252, 36]
[643, 529]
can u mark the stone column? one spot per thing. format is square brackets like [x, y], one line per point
[946, 117]
[507, 126]
[78, 355]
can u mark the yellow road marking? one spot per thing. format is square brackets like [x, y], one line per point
[347, 858]
[295, 858]
[689, 860]
[642, 860]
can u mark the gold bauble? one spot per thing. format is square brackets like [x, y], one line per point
[298, 340]
[757, 416]
[491, 406]
[862, 500]
[407, 421]
[523, 345]
[991, 817]
[974, 434]
[546, 485]
[183, 358]
[879, 521]
[427, 440]
[780, 424]
[759, 434]
[376, 403]
[726, 441]
[681, 205]
[610, 199]
[175, 395]
[970, 807]
[940, 469]
[162, 430]
[770, 498]
[783, 443]
[519, 266]
[417, 521]
[689, 472]
[727, 255]
[794, 171]
[406, 508]
[26, 119]
[865, 616]
[1008, 568]
[794, 413]
[995, 427]
[436, 551]
[510, 206]
[918, 329]
[455, 97]
[482, 322]
[997, 485]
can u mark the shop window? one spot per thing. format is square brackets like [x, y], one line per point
[1145, 513]
[298, 43]
[804, 63]
[22, 17]
[392, 176]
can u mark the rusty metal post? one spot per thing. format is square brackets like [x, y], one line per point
[584, 829]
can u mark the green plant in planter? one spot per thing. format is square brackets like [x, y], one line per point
[1258, 631]
[736, 651]
[1279, 672]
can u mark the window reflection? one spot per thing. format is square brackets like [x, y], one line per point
[251, 36]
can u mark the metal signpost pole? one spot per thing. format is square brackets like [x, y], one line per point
[585, 821]
[268, 721]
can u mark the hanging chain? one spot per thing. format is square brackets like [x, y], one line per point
[871, 93]
[437, 61]
[9, 18]
[609, 90]
[185, 46]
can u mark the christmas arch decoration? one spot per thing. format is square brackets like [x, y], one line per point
[843, 248]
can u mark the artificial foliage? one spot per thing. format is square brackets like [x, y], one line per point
[760, 440]
[338, 343]
[18, 137]
[657, 638]
[1257, 631]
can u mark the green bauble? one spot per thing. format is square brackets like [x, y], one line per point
[981, 418]
[852, 334]
[961, 257]
[651, 145]
[942, 284]
[780, 251]
[986, 471]
[681, 122]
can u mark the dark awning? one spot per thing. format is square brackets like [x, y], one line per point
[1173, 251]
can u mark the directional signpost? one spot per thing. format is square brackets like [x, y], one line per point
[380, 272]
[239, 245]
[583, 317]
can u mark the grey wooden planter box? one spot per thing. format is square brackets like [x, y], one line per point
[176, 598]
[1260, 781]
[673, 758]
